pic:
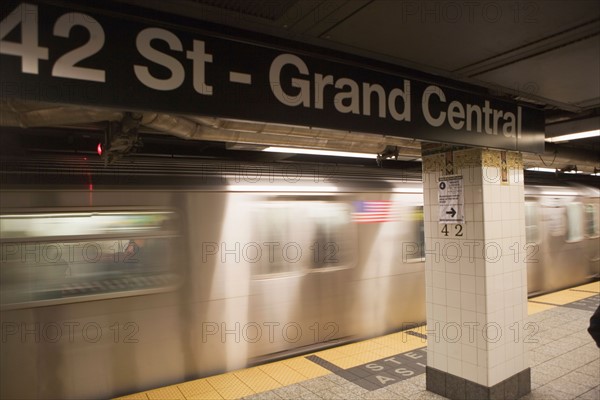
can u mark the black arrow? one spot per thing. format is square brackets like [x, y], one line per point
[452, 212]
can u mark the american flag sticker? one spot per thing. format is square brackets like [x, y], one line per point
[374, 211]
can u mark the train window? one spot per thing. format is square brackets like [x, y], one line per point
[574, 222]
[67, 257]
[331, 242]
[414, 217]
[532, 234]
[273, 223]
[302, 234]
[591, 220]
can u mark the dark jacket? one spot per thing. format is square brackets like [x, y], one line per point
[594, 328]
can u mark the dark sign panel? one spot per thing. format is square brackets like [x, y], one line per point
[55, 54]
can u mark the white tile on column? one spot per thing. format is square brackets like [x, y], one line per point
[497, 212]
[453, 314]
[505, 194]
[468, 301]
[477, 194]
[496, 356]
[482, 375]
[496, 196]
[467, 319]
[479, 285]
[453, 281]
[439, 296]
[452, 267]
[508, 212]
[454, 366]
[439, 279]
[468, 194]
[454, 348]
[453, 298]
[482, 358]
[468, 214]
[436, 346]
[469, 353]
[439, 312]
[478, 232]
[477, 212]
[467, 267]
[469, 371]
[479, 267]
[441, 362]
[496, 374]
[481, 303]
[467, 284]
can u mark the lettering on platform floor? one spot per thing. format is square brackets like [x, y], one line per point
[383, 372]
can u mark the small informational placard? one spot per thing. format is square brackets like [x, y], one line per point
[451, 200]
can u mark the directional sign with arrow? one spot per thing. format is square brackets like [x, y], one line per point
[451, 200]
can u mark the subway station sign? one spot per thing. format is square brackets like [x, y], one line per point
[97, 58]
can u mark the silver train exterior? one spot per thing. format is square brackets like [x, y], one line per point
[120, 279]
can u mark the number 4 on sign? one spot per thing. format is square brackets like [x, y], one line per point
[28, 49]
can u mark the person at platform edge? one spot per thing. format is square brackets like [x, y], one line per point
[594, 328]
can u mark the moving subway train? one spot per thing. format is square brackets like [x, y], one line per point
[123, 278]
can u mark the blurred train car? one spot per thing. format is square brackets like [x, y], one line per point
[146, 273]
[561, 228]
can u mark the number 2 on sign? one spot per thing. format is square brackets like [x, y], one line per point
[458, 230]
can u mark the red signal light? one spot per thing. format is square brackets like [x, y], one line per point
[99, 149]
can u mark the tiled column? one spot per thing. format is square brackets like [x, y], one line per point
[476, 277]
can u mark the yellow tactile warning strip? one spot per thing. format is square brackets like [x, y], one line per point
[245, 382]
[562, 297]
[570, 295]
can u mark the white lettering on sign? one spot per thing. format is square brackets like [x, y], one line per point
[451, 200]
[198, 56]
[346, 100]
[485, 119]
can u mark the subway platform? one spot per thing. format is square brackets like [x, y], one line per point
[564, 360]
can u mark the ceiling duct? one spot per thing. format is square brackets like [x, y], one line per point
[26, 114]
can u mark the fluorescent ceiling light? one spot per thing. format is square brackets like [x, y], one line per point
[573, 136]
[540, 169]
[282, 188]
[558, 193]
[319, 152]
[407, 190]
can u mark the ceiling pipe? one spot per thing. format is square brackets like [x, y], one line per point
[187, 129]
[32, 115]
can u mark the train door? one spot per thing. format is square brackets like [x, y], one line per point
[535, 271]
[299, 289]
[592, 236]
